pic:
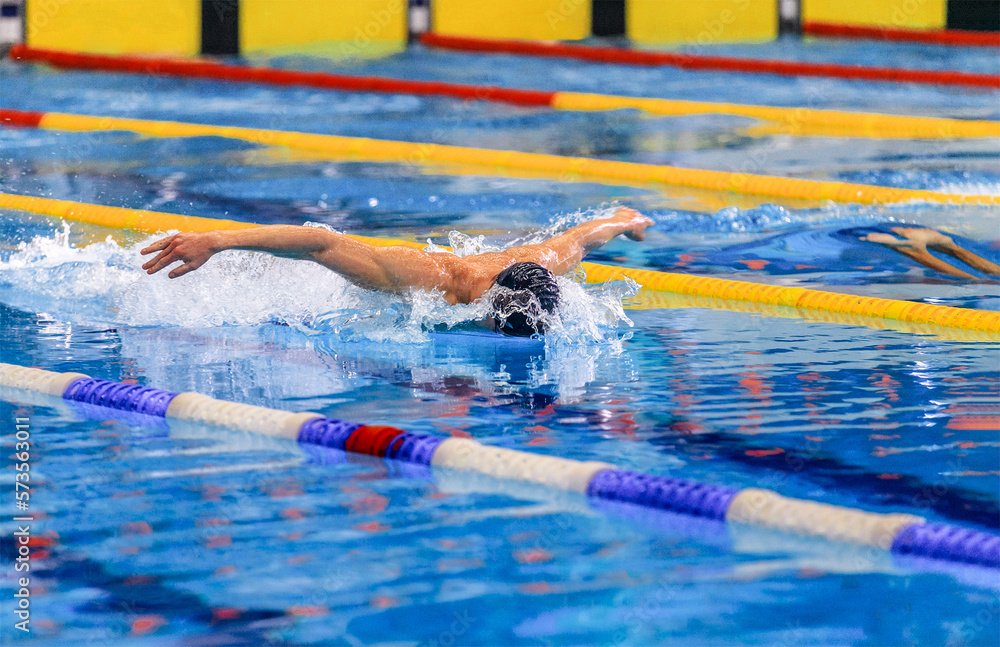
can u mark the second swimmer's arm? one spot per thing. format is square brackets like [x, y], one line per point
[916, 240]
[969, 258]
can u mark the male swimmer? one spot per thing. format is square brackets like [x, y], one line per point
[527, 271]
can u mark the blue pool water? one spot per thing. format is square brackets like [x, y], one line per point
[174, 533]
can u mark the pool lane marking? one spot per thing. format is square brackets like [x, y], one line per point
[624, 56]
[684, 284]
[654, 299]
[802, 298]
[799, 120]
[796, 121]
[206, 69]
[496, 162]
[899, 533]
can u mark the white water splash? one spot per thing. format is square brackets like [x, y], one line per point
[106, 282]
[50, 268]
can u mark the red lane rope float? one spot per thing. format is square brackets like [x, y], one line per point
[373, 440]
[217, 71]
[931, 36]
[713, 63]
[23, 118]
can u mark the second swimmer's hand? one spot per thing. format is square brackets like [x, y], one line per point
[634, 222]
[193, 249]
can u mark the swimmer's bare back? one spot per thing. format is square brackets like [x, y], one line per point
[394, 268]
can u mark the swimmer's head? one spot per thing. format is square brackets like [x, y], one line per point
[530, 291]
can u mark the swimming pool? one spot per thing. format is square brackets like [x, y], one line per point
[172, 533]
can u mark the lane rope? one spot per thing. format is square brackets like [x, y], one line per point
[652, 299]
[929, 36]
[203, 69]
[804, 121]
[899, 533]
[708, 63]
[799, 121]
[498, 162]
[684, 284]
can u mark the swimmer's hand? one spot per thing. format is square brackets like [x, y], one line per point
[914, 244]
[928, 237]
[889, 240]
[912, 238]
[634, 222]
[192, 248]
[917, 240]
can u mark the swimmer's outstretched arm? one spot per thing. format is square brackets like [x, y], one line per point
[391, 268]
[939, 242]
[916, 240]
[394, 268]
[564, 252]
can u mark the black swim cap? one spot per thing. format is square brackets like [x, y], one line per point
[530, 290]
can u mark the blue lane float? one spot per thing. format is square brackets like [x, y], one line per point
[327, 432]
[902, 534]
[673, 495]
[124, 397]
[949, 543]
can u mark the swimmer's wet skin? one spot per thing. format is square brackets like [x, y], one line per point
[399, 269]
[915, 241]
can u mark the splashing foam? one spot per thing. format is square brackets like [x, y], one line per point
[50, 268]
[236, 288]
[248, 288]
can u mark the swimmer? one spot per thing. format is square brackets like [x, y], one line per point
[527, 271]
[915, 241]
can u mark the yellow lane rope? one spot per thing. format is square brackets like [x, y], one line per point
[803, 121]
[554, 166]
[680, 197]
[685, 284]
[140, 220]
[654, 300]
[803, 298]
[793, 120]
